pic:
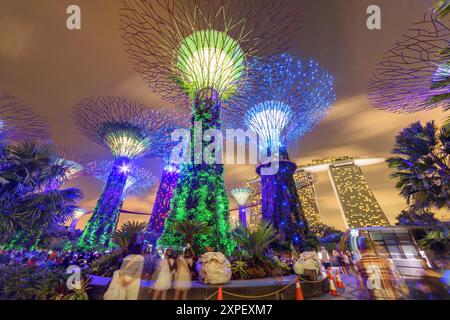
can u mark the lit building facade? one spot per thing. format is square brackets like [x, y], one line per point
[357, 203]
[307, 194]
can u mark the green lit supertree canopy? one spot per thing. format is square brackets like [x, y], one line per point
[185, 46]
[196, 50]
[129, 130]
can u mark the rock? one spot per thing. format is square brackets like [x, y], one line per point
[214, 268]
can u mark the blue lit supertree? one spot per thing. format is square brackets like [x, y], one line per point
[18, 122]
[286, 99]
[129, 130]
[198, 49]
[139, 180]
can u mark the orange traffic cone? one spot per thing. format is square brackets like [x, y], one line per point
[333, 291]
[220, 294]
[339, 282]
[298, 290]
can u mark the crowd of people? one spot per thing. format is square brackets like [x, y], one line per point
[343, 260]
[166, 269]
[48, 258]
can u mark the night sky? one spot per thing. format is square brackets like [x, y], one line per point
[51, 68]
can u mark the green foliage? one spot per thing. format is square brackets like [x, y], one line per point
[34, 283]
[436, 240]
[310, 242]
[106, 265]
[239, 269]
[421, 158]
[127, 234]
[189, 229]
[255, 241]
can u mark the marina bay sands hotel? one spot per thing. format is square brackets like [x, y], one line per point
[357, 204]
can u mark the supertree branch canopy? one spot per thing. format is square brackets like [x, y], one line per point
[410, 76]
[288, 97]
[127, 128]
[139, 180]
[242, 196]
[18, 122]
[185, 46]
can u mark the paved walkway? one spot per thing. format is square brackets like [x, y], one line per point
[349, 293]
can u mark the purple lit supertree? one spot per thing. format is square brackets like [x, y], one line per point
[197, 50]
[139, 180]
[18, 122]
[168, 182]
[415, 74]
[129, 130]
[287, 99]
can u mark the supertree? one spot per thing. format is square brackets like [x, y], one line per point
[129, 130]
[291, 95]
[415, 74]
[168, 182]
[18, 122]
[78, 213]
[139, 180]
[198, 49]
[242, 196]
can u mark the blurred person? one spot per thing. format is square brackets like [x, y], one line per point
[324, 257]
[183, 277]
[131, 273]
[166, 269]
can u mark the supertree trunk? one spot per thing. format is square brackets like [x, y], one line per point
[161, 207]
[242, 216]
[280, 202]
[98, 231]
[200, 193]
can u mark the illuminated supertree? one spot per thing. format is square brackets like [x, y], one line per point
[18, 122]
[289, 98]
[415, 74]
[78, 213]
[129, 130]
[242, 195]
[139, 180]
[168, 182]
[198, 49]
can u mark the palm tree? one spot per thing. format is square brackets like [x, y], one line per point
[189, 229]
[127, 234]
[435, 240]
[27, 202]
[255, 241]
[421, 160]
